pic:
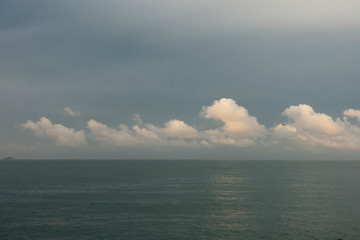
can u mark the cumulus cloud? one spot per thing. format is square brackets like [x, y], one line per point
[62, 135]
[304, 117]
[238, 128]
[318, 128]
[236, 119]
[281, 131]
[175, 132]
[68, 111]
[217, 136]
[106, 135]
[178, 129]
[353, 114]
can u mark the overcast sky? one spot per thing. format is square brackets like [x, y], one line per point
[244, 79]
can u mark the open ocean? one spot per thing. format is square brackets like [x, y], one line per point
[155, 199]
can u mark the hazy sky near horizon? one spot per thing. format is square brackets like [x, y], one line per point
[245, 79]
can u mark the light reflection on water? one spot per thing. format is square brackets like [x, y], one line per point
[179, 200]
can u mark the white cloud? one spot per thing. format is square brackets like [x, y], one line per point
[175, 132]
[318, 128]
[68, 111]
[239, 129]
[236, 119]
[281, 131]
[352, 113]
[304, 117]
[62, 135]
[178, 129]
[217, 136]
[110, 136]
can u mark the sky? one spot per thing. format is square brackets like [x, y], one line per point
[245, 79]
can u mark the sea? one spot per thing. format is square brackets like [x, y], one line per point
[179, 199]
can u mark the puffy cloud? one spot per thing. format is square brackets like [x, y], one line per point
[175, 132]
[352, 113]
[236, 119]
[62, 135]
[106, 135]
[217, 136]
[318, 128]
[178, 129]
[304, 117]
[238, 129]
[281, 131]
[68, 111]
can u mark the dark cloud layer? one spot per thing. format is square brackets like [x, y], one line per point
[163, 59]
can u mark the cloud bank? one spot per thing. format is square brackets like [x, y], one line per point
[174, 132]
[318, 128]
[238, 128]
[62, 135]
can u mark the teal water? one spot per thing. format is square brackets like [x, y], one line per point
[138, 199]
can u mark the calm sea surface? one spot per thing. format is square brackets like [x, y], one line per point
[136, 199]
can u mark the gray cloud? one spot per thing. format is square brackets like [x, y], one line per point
[68, 111]
[111, 59]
